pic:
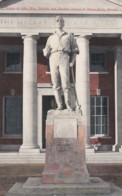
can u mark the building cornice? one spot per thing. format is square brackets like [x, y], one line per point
[61, 7]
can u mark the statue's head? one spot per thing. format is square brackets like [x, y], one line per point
[59, 22]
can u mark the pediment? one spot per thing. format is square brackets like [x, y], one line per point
[61, 6]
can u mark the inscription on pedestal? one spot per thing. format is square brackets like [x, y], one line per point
[65, 128]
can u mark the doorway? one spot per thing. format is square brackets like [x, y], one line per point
[48, 103]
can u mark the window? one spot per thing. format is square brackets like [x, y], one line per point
[13, 62]
[99, 115]
[13, 115]
[97, 61]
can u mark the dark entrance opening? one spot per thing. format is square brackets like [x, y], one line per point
[48, 104]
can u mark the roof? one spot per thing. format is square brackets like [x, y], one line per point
[61, 6]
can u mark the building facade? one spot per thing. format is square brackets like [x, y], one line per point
[25, 83]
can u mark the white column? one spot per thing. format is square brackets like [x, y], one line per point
[118, 101]
[83, 82]
[30, 95]
[39, 118]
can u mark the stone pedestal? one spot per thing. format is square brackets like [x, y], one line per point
[65, 149]
[65, 172]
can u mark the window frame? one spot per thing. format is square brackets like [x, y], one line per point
[13, 71]
[101, 115]
[98, 71]
[4, 134]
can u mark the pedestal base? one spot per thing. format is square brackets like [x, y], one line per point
[34, 187]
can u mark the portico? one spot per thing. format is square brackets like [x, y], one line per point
[32, 24]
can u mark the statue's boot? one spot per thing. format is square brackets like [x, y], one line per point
[58, 98]
[67, 100]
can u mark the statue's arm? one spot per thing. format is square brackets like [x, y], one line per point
[74, 50]
[47, 49]
[73, 59]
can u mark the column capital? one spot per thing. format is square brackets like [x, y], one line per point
[30, 36]
[84, 36]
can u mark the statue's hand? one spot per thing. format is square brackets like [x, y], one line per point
[46, 52]
[71, 64]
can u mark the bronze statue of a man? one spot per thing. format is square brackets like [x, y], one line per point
[61, 49]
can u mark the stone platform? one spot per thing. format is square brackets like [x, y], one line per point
[34, 187]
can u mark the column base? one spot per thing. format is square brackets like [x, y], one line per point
[115, 148]
[29, 149]
[88, 146]
[90, 150]
[120, 149]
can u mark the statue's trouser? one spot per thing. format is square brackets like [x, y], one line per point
[67, 98]
[58, 98]
[60, 80]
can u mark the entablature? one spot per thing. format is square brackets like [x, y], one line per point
[44, 24]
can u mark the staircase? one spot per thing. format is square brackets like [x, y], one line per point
[91, 157]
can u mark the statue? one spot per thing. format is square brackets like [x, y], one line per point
[61, 49]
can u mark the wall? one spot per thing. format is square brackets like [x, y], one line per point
[105, 82]
[8, 81]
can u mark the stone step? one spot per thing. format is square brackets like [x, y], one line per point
[16, 157]
[107, 157]
[33, 186]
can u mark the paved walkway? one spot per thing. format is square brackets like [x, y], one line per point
[12, 173]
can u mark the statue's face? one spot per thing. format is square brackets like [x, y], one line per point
[59, 22]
